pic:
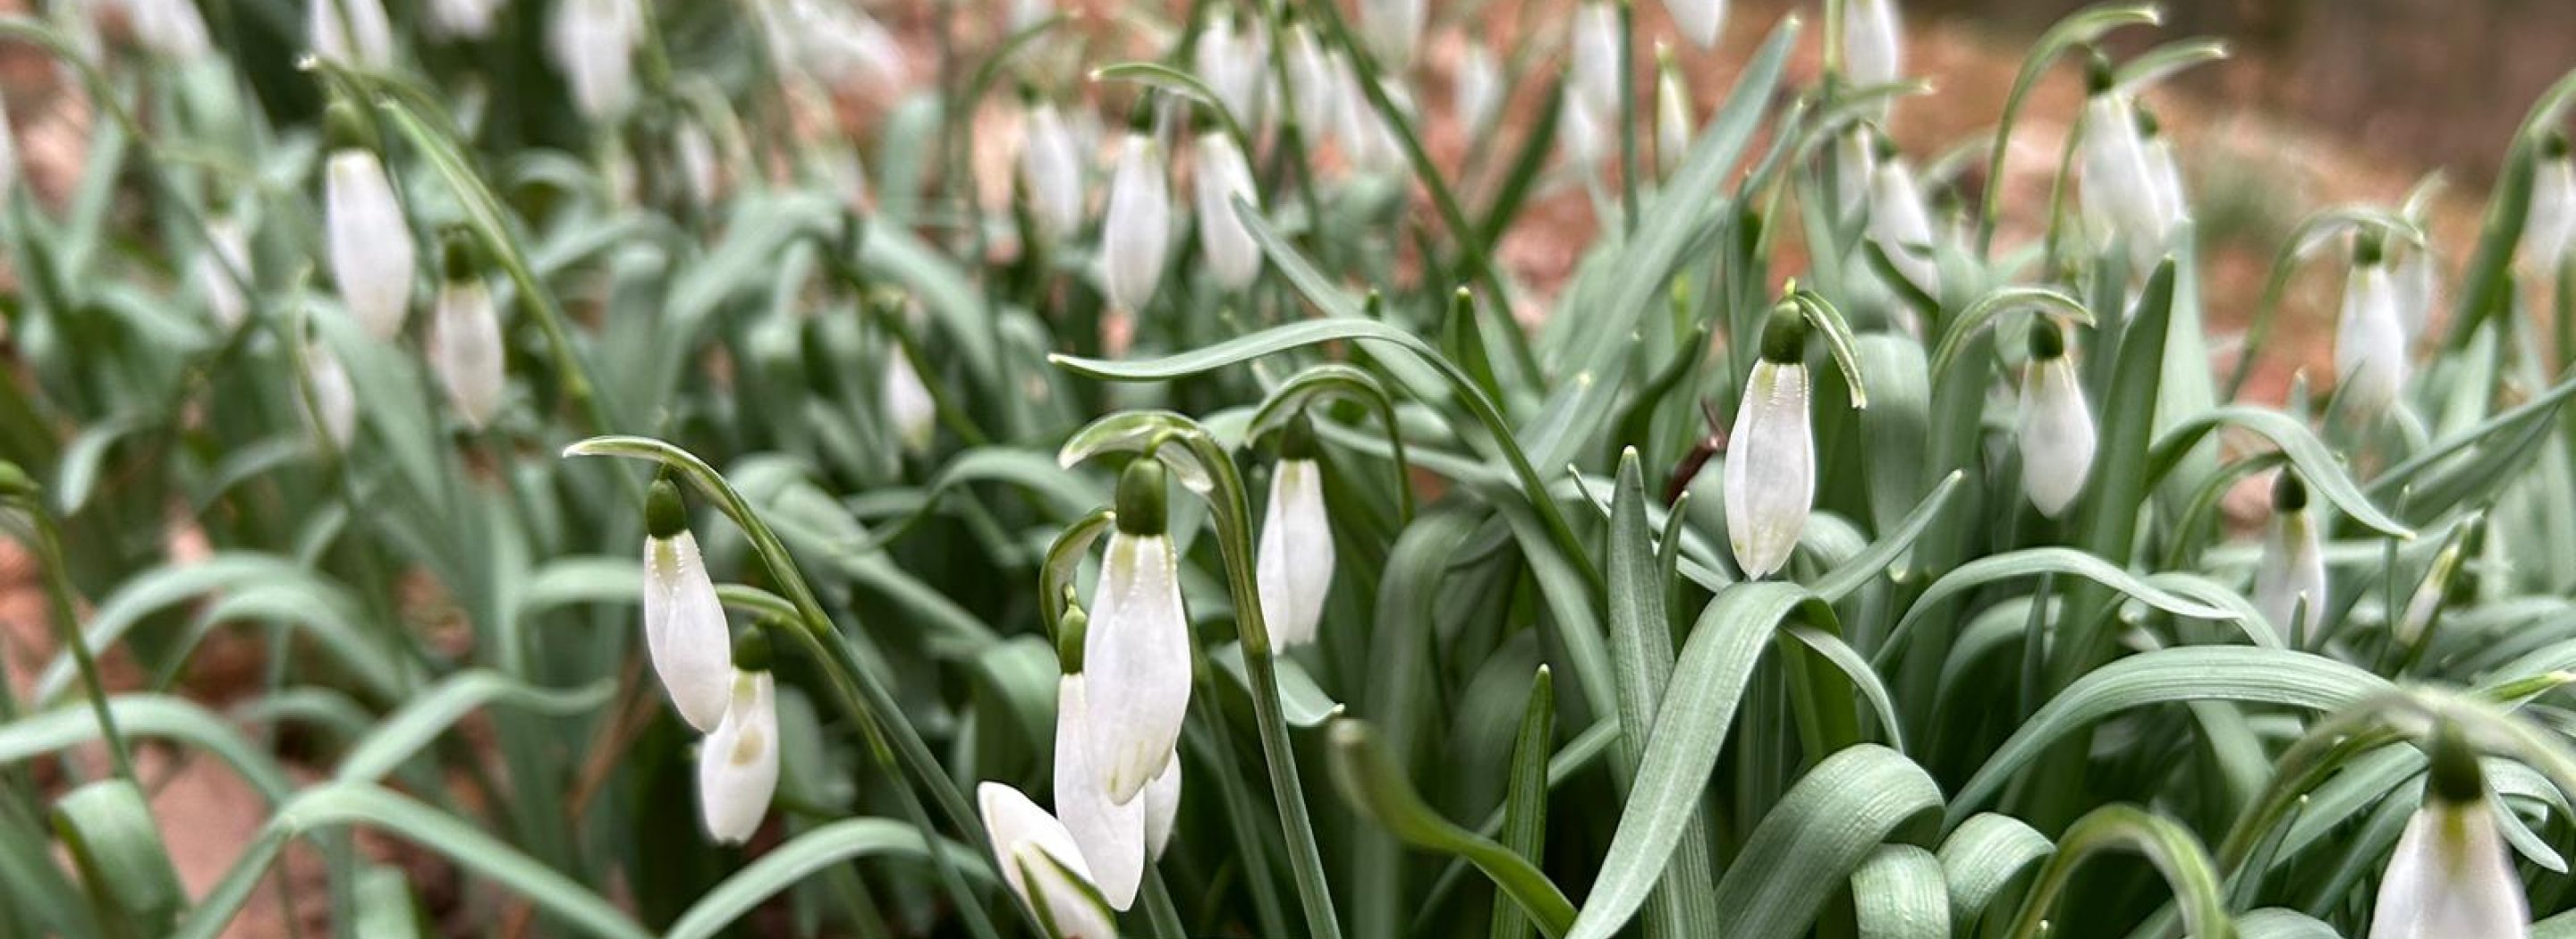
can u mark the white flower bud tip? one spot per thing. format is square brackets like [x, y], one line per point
[371, 250]
[2292, 574]
[330, 397]
[1136, 660]
[1041, 864]
[1770, 467]
[1698, 20]
[1221, 175]
[1137, 230]
[908, 403]
[684, 626]
[593, 45]
[2056, 428]
[2370, 339]
[1051, 170]
[1295, 561]
[738, 763]
[465, 350]
[355, 32]
[1873, 42]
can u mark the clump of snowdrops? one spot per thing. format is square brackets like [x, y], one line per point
[666, 511]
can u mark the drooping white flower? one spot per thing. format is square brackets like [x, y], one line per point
[1042, 864]
[1162, 807]
[2056, 427]
[2292, 574]
[839, 43]
[8, 156]
[1221, 175]
[1579, 130]
[2172, 200]
[1050, 167]
[699, 167]
[463, 19]
[170, 28]
[908, 404]
[1295, 561]
[2370, 336]
[1235, 63]
[226, 254]
[1318, 93]
[684, 623]
[1873, 42]
[1673, 125]
[2419, 289]
[1771, 453]
[1136, 657]
[738, 763]
[1596, 64]
[593, 45]
[465, 342]
[1855, 170]
[2550, 228]
[1899, 224]
[1698, 20]
[2119, 186]
[2450, 876]
[354, 32]
[1026, 14]
[328, 395]
[1110, 833]
[1368, 138]
[371, 250]
[1393, 28]
[1137, 229]
[1477, 90]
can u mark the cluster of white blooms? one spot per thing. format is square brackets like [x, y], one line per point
[721, 688]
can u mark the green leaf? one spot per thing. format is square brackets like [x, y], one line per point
[2170, 847]
[1305, 703]
[433, 710]
[1823, 830]
[1368, 777]
[1984, 855]
[142, 715]
[800, 857]
[1641, 663]
[2034, 562]
[1899, 894]
[1525, 801]
[108, 829]
[2318, 465]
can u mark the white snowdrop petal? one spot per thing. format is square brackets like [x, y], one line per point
[1900, 226]
[1596, 56]
[1873, 42]
[333, 400]
[370, 245]
[172, 28]
[2450, 878]
[1698, 20]
[1770, 469]
[227, 253]
[465, 350]
[1477, 90]
[1051, 171]
[1855, 171]
[738, 763]
[1111, 835]
[1579, 130]
[1221, 175]
[1137, 230]
[684, 630]
[2370, 342]
[2118, 191]
[1672, 121]
[1041, 864]
[1318, 88]
[352, 31]
[593, 45]
[1137, 662]
[2419, 286]
[2552, 220]
[1393, 28]
[908, 404]
[1294, 565]
[1162, 807]
[2057, 439]
[2292, 572]
[463, 19]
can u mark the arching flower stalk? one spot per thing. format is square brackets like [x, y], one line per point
[2290, 582]
[1050, 166]
[1110, 833]
[1041, 864]
[2056, 428]
[1294, 564]
[1137, 229]
[1673, 122]
[370, 245]
[738, 762]
[593, 45]
[2370, 336]
[1220, 175]
[465, 337]
[352, 32]
[1136, 658]
[1771, 453]
[2450, 876]
[684, 623]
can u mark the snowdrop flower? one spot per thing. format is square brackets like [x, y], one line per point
[2119, 193]
[1110, 833]
[2419, 288]
[2056, 429]
[842, 45]
[1317, 102]
[1162, 807]
[225, 256]
[2450, 876]
[696, 151]
[2370, 335]
[1597, 42]
[2164, 171]
[1698, 20]
[738, 762]
[465, 337]
[1042, 865]
[1898, 222]
[2551, 227]
[1672, 113]
[1219, 176]
[1137, 229]
[1580, 131]
[1236, 65]
[1855, 170]
[593, 45]
[908, 404]
[463, 19]
[684, 624]
[1393, 28]
[1050, 167]
[1136, 658]
[1027, 14]
[329, 397]
[1477, 90]
[1368, 138]
[353, 32]
[1771, 457]
[170, 28]
[8, 157]
[370, 245]
[2443, 582]
[1873, 42]
[2292, 574]
[1295, 561]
